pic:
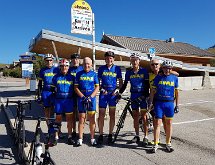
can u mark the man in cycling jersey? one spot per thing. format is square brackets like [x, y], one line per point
[155, 70]
[86, 87]
[46, 75]
[139, 80]
[73, 70]
[64, 87]
[164, 92]
[108, 75]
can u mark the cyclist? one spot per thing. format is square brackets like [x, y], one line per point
[164, 91]
[155, 70]
[74, 68]
[86, 87]
[64, 87]
[139, 80]
[108, 75]
[46, 75]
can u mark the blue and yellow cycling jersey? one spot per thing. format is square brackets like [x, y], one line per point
[86, 81]
[137, 80]
[165, 87]
[64, 85]
[109, 77]
[75, 69]
[151, 79]
[46, 75]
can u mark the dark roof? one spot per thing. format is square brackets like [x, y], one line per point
[162, 47]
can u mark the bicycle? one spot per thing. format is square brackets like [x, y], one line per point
[19, 127]
[121, 121]
[36, 155]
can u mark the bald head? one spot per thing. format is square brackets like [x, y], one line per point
[87, 64]
[87, 60]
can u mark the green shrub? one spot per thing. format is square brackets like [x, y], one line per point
[16, 72]
[6, 72]
[212, 62]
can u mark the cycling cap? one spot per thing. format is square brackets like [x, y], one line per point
[135, 55]
[167, 63]
[48, 57]
[109, 53]
[64, 62]
[75, 55]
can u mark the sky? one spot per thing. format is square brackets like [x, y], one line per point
[189, 21]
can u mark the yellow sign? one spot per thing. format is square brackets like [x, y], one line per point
[82, 5]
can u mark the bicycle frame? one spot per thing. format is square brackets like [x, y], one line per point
[44, 158]
[121, 121]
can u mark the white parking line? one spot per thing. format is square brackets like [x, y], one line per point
[198, 102]
[194, 121]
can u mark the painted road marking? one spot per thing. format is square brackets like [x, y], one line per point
[197, 102]
[194, 121]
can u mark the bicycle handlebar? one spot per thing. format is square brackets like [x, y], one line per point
[19, 102]
[39, 118]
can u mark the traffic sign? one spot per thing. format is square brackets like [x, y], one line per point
[152, 52]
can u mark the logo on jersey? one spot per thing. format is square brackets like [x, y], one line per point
[167, 83]
[111, 74]
[73, 74]
[87, 78]
[49, 74]
[137, 76]
[64, 82]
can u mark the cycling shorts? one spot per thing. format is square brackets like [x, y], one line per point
[47, 98]
[63, 106]
[82, 108]
[107, 99]
[162, 108]
[135, 106]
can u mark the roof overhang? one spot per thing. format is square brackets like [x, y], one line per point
[47, 41]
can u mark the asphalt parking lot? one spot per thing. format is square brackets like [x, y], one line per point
[193, 134]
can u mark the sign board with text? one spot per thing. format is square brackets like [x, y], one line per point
[27, 69]
[81, 18]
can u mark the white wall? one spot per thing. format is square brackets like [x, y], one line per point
[190, 83]
[212, 80]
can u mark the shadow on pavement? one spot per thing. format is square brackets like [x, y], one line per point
[7, 141]
[15, 93]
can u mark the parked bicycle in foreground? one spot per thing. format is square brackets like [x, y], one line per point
[36, 156]
[19, 127]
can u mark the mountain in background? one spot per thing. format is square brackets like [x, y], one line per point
[211, 49]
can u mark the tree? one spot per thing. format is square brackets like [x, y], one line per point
[38, 64]
[212, 62]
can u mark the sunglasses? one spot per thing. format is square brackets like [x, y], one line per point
[167, 67]
[154, 64]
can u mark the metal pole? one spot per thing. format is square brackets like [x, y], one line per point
[55, 51]
[93, 44]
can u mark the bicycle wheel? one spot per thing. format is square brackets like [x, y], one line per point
[21, 141]
[47, 160]
[150, 122]
[120, 123]
[16, 131]
[52, 162]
